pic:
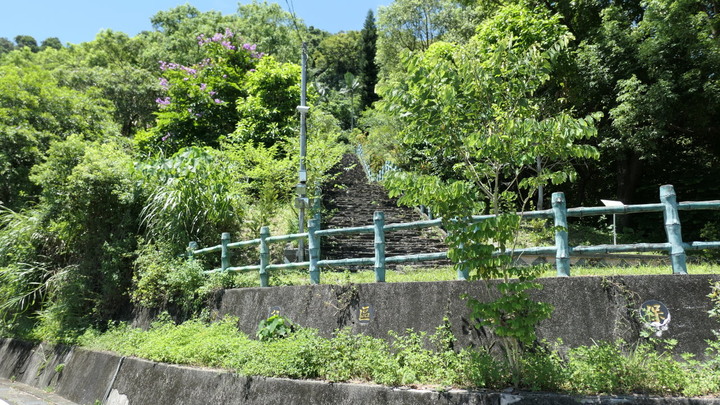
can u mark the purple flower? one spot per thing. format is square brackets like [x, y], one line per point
[218, 101]
[163, 101]
[227, 45]
[189, 70]
[203, 86]
[164, 83]
[249, 47]
[168, 65]
[165, 138]
[212, 93]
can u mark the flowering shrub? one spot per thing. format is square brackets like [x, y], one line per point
[199, 105]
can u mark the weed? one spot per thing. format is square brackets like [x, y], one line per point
[274, 327]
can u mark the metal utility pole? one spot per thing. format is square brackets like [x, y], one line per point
[301, 202]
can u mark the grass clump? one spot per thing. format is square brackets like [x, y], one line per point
[415, 359]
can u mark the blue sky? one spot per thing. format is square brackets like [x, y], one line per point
[77, 21]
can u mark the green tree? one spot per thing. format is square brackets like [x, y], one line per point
[79, 253]
[52, 42]
[275, 31]
[351, 88]
[335, 56]
[22, 41]
[414, 25]
[368, 67]
[6, 45]
[268, 113]
[473, 117]
[20, 150]
[200, 104]
[176, 32]
[35, 111]
[650, 67]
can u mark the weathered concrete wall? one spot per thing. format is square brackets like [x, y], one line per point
[88, 377]
[79, 375]
[587, 309]
[30, 364]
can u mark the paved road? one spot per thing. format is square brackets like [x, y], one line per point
[13, 393]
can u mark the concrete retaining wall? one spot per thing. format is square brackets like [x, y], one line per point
[587, 309]
[88, 378]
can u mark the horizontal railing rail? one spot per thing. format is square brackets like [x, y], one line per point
[562, 250]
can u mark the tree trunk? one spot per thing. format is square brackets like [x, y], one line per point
[629, 170]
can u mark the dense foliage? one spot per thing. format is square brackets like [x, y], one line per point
[117, 152]
[411, 359]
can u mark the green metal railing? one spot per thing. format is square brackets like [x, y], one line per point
[562, 250]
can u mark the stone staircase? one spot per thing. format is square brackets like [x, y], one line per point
[350, 201]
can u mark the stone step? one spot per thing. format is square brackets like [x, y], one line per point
[352, 201]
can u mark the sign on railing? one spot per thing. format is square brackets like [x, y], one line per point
[562, 250]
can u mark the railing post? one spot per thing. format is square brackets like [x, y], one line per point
[314, 250]
[379, 222]
[192, 247]
[463, 272]
[672, 229]
[225, 251]
[264, 255]
[562, 246]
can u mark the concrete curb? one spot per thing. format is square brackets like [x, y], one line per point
[87, 377]
[15, 393]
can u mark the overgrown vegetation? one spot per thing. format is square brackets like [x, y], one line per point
[116, 153]
[415, 359]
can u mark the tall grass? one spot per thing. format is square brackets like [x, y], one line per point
[414, 359]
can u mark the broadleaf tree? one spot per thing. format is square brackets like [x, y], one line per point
[473, 117]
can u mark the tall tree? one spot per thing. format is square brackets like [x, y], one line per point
[275, 31]
[52, 42]
[176, 32]
[34, 112]
[413, 25]
[335, 56]
[652, 67]
[26, 40]
[6, 45]
[368, 67]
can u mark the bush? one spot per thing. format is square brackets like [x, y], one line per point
[162, 281]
